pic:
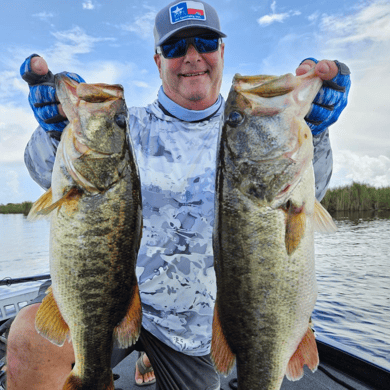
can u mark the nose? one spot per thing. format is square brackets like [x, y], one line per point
[192, 54]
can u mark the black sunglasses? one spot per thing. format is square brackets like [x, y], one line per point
[175, 48]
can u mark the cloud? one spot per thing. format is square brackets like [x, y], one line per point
[142, 25]
[88, 5]
[362, 41]
[350, 167]
[16, 126]
[69, 44]
[266, 20]
[44, 15]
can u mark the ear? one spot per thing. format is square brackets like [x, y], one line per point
[157, 60]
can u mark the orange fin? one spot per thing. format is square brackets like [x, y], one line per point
[221, 354]
[44, 205]
[49, 321]
[306, 353]
[295, 227]
[323, 222]
[43, 202]
[126, 333]
[73, 382]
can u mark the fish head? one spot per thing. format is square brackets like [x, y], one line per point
[264, 133]
[94, 142]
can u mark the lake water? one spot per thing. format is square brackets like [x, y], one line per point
[353, 273]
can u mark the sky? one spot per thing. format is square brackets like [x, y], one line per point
[111, 41]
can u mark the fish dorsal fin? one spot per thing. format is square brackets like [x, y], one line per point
[323, 222]
[306, 353]
[49, 322]
[126, 333]
[221, 354]
[44, 205]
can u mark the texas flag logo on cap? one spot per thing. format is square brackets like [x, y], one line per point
[187, 10]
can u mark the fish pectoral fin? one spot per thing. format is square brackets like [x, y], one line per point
[295, 227]
[39, 205]
[323, 222]
[126, 333]
[49, 321]
[221, 354]
[306, 353]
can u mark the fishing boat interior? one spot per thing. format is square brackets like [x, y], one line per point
[340, 368]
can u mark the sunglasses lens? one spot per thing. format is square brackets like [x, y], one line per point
[206, 43]
[176, 48]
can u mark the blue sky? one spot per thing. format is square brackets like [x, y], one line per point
[112, 42]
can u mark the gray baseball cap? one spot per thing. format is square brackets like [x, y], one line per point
[182, 15]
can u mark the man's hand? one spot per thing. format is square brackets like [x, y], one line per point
[42, 97]
[332, 97]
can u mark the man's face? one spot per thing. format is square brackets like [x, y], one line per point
[194, 80]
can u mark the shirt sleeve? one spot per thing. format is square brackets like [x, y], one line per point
[39, 157]
[322, 163]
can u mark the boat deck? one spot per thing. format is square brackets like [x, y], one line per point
[317, 381]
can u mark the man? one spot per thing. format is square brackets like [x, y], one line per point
[175, 141]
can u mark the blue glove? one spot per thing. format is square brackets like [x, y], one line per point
[330, 100]
[42, 98]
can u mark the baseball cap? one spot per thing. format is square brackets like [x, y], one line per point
[182, 15]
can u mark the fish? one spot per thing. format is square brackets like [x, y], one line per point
[263, 234]
[95, 211]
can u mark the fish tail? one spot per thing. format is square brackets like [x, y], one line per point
[73, 382]
[306, 353]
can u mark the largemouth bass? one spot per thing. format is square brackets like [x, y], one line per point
[95, 231]
[265, 215]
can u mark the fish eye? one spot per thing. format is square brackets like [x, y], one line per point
[120, 120]
[235, 118]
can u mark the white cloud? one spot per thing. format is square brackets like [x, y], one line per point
[362, 41]
[350, 167]
[142, 25]
[88, 5]
[44, 15]
[69, 44]
[266, 20]
[16, 126]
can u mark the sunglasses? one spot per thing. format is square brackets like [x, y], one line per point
[175, 48]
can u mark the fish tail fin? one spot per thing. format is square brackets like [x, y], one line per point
[323, 222]
[126, 333]
[73, 382]
[306, 353]
[221, 354]
[49, 322]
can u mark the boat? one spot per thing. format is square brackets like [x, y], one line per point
[340, 367]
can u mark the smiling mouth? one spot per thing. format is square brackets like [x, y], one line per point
[193, 74]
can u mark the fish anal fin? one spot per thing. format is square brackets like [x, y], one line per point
[49, 321]
[295, 227]
[306, 353]
[221, 354]
[323, 222]
[126, 333]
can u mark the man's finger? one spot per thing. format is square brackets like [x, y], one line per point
[326, 69]
[39, 66]
[304, 67]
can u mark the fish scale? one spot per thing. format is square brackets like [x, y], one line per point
[265, 213]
